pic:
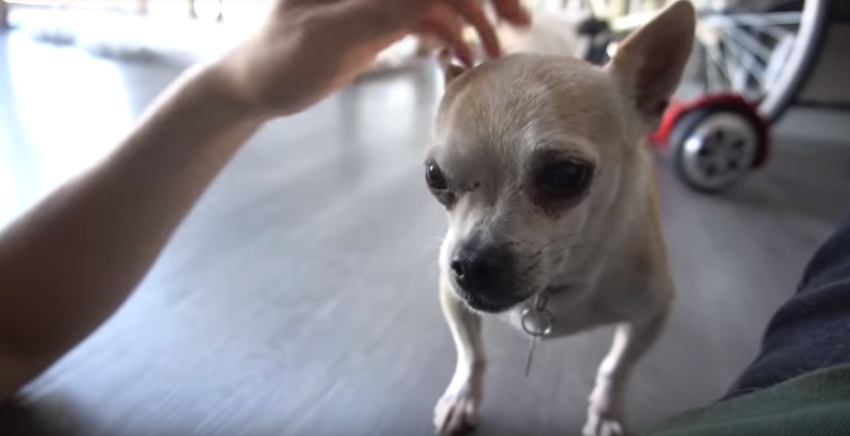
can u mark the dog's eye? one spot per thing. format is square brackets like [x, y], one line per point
[564, 179]
[438, 184]
[434, 177]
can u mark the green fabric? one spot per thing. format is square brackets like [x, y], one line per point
[817, 403]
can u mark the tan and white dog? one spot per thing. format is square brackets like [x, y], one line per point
[542, 165]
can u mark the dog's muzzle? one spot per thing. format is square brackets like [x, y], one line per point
[485, 276]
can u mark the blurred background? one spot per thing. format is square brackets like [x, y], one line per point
[300, 294]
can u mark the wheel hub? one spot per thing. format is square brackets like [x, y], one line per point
[720, 150]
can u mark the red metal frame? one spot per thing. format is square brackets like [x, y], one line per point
[677, 110]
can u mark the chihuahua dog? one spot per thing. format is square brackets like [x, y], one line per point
[541, 163]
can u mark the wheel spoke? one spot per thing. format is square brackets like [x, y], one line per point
[776, 32]
[737, 75]
[706, 70]
[746, 41]
[774, 68]
[759, 19]
[716, 60]
[748, 64]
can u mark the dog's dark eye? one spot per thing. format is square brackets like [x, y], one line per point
[438, 184]
[434, 177]
[564, 179]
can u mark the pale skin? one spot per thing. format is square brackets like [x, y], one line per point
[68, 263]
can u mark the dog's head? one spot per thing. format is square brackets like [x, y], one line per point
[535, 155]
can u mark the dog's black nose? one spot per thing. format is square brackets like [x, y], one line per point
[485, 269]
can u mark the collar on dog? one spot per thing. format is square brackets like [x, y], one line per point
[537, 322]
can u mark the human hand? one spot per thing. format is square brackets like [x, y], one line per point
[308, 49]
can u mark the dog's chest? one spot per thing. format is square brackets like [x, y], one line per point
[568, 317]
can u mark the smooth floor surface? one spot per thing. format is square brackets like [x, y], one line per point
[300, 296]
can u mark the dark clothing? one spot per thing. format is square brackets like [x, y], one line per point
[812, 330]
[799, 384]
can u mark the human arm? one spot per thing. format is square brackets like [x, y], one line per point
[68, 263]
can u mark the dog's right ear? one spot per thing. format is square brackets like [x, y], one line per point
[451, 70]
[650, 62]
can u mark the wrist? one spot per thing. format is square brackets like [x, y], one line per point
[197, 110]
[214, 87]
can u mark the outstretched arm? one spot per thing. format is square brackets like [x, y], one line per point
[67, 264]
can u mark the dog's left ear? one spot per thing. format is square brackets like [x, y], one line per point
[650, 62]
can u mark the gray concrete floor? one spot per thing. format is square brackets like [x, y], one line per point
[299, 297]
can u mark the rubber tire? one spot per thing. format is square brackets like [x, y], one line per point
[685, 127]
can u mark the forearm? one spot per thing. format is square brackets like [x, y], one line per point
[67, 264]
[71, 261]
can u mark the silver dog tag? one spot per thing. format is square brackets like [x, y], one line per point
[532, 345]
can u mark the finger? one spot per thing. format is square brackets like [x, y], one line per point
[473, 12]
[513, 12]
[443, 23]
[453, 41]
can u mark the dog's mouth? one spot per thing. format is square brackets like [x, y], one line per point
[481, 303]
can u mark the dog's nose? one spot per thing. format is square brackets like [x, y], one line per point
[483, 269]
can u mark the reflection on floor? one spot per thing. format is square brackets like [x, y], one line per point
[166, 35]
[299, 297]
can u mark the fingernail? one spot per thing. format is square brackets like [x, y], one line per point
[495, 51]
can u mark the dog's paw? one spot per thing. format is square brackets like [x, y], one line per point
[601, 424]
[457, 410]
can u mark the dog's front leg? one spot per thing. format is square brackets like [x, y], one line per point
[457, 409]
[606, 414]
